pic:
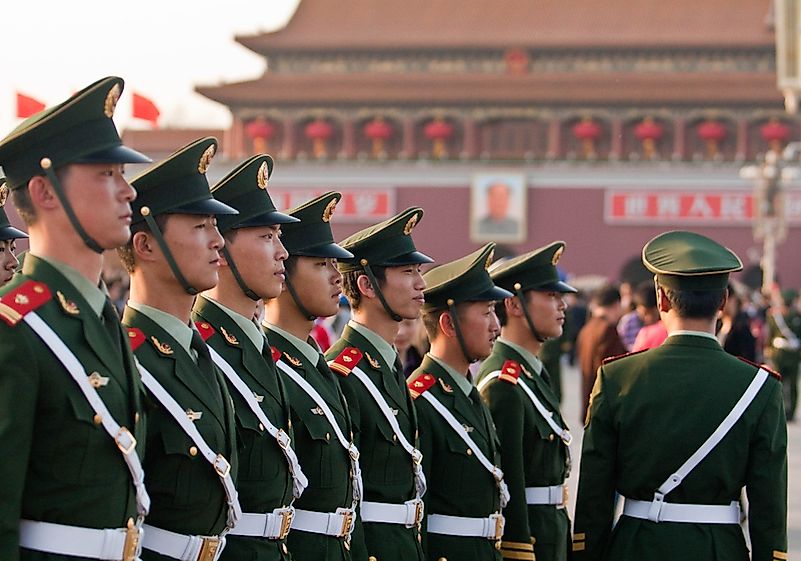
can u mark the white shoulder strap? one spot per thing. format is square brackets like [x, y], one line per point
[561, 432]
[221, 466]
[122, 436]
[353, 452]
[496, 472]
[417, 456]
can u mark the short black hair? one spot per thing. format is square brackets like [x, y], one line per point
[126, 254]
[645, 295]
[696, 304]
[606, 295]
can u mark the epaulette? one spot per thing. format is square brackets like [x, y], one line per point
[276, 354]
[421, 384]
[764, 367]
[609, 359]
[205, 329]
[510, 371]
[347, 359]
[22, 300]
[135, 337]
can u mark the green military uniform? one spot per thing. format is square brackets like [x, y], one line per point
[389, 475]
[534, 454]
[784, 349]
[460, 489]
[325, 462]
[60, 466]
[264, 478]
[651, 411]
[188, 497]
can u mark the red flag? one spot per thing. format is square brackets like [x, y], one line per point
[27, 106]
[145, 109]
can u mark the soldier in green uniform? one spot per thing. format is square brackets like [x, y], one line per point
[191, 447]
[784, 346]
[71, 420]
[534, 438]
[460, 447]
[8, 237]
[252, 268]
[384, 286]
[325, 514]
[680, 429]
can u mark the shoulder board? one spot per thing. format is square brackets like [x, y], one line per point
[420, 384]
[764, 367]
[510, 371]
[346, 360]
[135, 337]
[22, 300]
[609, 359]
[205, 329]
[276, 354]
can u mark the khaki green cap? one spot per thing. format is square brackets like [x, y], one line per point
[386, 244]
[312, 236]
[7, 231]
[245, 189]
[463, 280]
[689, 261]
[178, 184]
[79, 130]
[535, 270]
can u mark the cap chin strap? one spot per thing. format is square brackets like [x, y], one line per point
[301, 307]
[154, 229]
[369, 272]
[455, 321]
[47, 167]
[239, 280]
[529, 321]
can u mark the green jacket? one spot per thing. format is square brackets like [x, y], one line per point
[187, 495]
[325, 462]
[785, 360]
[531, 456]
[386, 467]
[58, 465]
[264, 481]
[458, 485]
[649, 413]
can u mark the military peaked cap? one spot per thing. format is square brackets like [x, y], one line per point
[535, 270]
[312, 236]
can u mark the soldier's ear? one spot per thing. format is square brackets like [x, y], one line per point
[513, 306]
[143, 246]
[365, 286]
[42, 194]
[662, 301]
[446, 324]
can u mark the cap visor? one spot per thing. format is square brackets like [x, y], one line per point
[206, 206]
[11, 233]
[267, 219]
[491, 294]
[324, 250]
[557, 286]
[413, 258]
[115, 155]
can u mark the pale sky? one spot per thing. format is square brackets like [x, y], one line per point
[163, 49]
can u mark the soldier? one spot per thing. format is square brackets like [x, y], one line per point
[680, 429]
[71, 426]
[784, 345]
[534, 437]
[384, 286]
[466, 491]
[252, 268]
[172, 255]
[325, 514]
[8, 237]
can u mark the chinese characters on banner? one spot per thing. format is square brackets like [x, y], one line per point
[357, 205]
[708, 208]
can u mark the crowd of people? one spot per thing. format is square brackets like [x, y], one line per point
[200, 406]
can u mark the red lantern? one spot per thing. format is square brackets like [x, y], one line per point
[378, 131]
[648, 132]
[775, 133]
[259, 131]
[438, 131]
[319, 131]
[712, 133]
[587, 131]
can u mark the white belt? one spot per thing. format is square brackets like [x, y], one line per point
[490, 527]
[660, 511]
[339, 524]
[181, 546]
[409, 513]
[114, 543]
[553, 495]
[271, 525]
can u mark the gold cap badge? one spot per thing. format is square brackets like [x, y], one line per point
[489, 259]
[3, 194]
[329, 210]
[205, 159]
[263, 175]
[556, 256]
[410, 225]
[112, 98]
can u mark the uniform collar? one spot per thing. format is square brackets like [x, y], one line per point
[246, 325]
[461, 380]
[384, 349]
[93, 295]
[180, 331]
[693, 333]
[526, 355]
[311, 354]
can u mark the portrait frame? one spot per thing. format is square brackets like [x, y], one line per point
[495, 216]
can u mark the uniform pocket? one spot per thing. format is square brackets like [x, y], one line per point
[320, 449]
[259, 456]
[192, 476]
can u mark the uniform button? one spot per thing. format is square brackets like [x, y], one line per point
[193, 450]
[550, 437]
[419, 537]
[442, 559]
[261, 426]
[328, 436]
[372, 558]
[498, 545]
[347, 545]
[97, 419]
[284, 549]
[469, 452]
[394, 438]
[136, 417]
[289, 425]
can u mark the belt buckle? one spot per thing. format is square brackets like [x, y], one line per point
[125, 441]
[209, 548]
[286, 523]
[564, 495]
[282, 438]
[500, 522]
[133, 537]
[221, 466]
[347, 522]
[418, 512]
